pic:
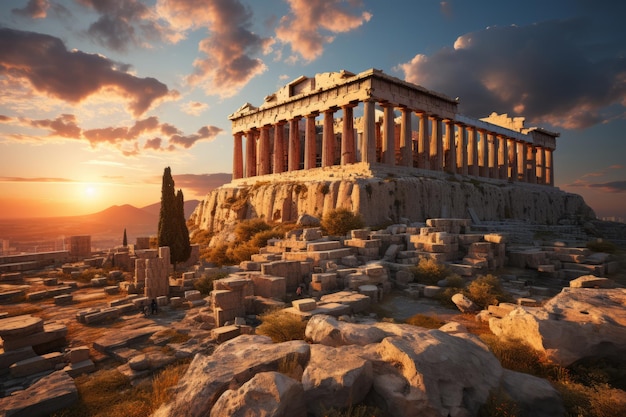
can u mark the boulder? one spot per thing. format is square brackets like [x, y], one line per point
[48, 395]
[591, 281]
[336, 378]
[534, 396]
[266, 394]
[306, 220]
[417, 371]
[576, 323]
[231, 365]
[464, 304]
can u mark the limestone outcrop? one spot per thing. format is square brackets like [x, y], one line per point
[381, 195]
[403, 369]
[575, 324]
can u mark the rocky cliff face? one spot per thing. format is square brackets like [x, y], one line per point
[386, 195]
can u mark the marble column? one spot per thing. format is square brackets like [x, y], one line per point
[294, 144]
[531, 164]
[513, 169]
[483, 154]
[388, 148]
[406, 141]
[503, 158]
[449, 147]
[237, 157]
[472, 151]
[348, 152]
[436, 144]
[250, 154]
[279, 148]
[461, 150]
[368, 147]
[492, 149]
[310, 137]
[541, 166]
[263, 161]
[550, 167]
[423, 145]
[328, 139]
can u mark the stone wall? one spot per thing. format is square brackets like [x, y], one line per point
[382, 194]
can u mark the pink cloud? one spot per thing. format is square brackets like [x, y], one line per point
[34, 9]
[303, 28]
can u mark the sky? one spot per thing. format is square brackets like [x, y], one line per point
[97, 97]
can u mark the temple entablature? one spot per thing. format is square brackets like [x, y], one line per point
[339, 118]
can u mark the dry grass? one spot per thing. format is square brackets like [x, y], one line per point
[425, 320]
[281, 326]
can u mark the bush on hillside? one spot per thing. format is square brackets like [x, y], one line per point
[341, 221]
[486, 290]
[281, 326]
[428, 271]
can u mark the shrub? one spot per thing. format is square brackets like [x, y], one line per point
[340, 221]
[248, 228]
[260, 239]
[204, 284]
[360, 410]
[486, 290]
[218, 254]
[429, 271]
[425, 320]
[602, 246]
[281, 326]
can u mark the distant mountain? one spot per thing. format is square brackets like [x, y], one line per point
[190, 206]
[124, 214]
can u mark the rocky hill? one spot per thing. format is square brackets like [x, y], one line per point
[383, 194]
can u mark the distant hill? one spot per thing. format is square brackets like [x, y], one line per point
[190, 206]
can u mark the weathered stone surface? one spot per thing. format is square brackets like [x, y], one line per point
[267, 394]
[52, 334]
[51, 393]
[591, 281]
[371, 197]
[534, 396]
[464, 304]
[230, 366]
[20, 326]
[358, 302]
[336, 378]
[418, 371]
[576, 323]
[124, 338]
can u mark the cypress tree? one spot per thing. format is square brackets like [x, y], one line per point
[173, 230]
[124, 240]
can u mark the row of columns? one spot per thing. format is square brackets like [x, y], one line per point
[441, 144]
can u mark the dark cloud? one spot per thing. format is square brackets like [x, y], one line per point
[302, 28]
[610, 187]
[124, 23]
[202, 183]
[569, 73]
[205, 132]
[34, 9]
[4, 119]
[72, 76]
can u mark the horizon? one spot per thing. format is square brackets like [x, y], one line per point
[111, 108]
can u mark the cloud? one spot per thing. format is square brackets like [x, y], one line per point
[34, 9]
[312, 23]
[200, 184]
[205, 132]
[568, 73]
[72, 76]
[36, 179]
[64, 126]
[228, 61]
[194, 108]
[603, 172]
[125, 23]
[611, 187]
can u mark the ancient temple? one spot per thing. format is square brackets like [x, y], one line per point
[298, 128]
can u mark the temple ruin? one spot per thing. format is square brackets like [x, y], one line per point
[286, 134]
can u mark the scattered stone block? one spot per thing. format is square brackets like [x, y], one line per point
[432, 291]
[50, 282]
[109, 313]
[35, 365]
[79, 368]
[10, 296]
[591, 281]
[358, 303]
[111, 290]
[63, 299]
[222, 334]
[78, 354]
[176, 302]
[46, 396]
[98, 281]
[305, 304]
